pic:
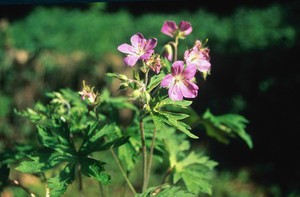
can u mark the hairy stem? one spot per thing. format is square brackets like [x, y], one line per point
[144, 154]
[151, 156]
[175, 49]
[122, 171]
[101, 189]
[170, 169]
[80, 186]
[17, 183]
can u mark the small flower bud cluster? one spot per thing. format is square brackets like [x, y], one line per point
[87, 93]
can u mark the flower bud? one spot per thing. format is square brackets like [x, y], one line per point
[136, 94]
[123, 86]
[88, 94]
[122, 77]
[146, 97]
[168, 52]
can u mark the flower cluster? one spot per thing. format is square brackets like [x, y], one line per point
[180, 81]
[88, 94]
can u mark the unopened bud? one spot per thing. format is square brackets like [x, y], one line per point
[168, 52]
[123, 86]
[136, 94]
[122, 77]
[146, 97]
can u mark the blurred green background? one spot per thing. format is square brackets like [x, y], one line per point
[254, 55]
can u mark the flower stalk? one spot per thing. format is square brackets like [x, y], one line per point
[144, 153]
[122, 171]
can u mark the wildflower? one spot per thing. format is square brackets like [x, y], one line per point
[179, 81]
[89, 94]
[140, 49]
[154, 63]
[171, 29]
[198, 56]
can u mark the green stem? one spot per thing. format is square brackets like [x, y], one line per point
[80, 186]
[144, 154]
[101, 189]
[175, 49]
[151, 156]
[146, 78]
[170, 169]
[122, 171]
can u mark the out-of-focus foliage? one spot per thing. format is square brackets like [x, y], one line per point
[96, 32]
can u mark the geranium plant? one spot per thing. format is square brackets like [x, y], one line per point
[77, 127]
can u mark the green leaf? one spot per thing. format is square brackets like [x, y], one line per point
[128, 155]
[175, 104]
[57, 138]
[188, 167]
[95, 139]
[42, 161]
[196, 182]
[155, 81]
[59, 184]
[225, 126]
[18, 152]
[195, 170]
[170, 112]
[94, 169]
[172, 120]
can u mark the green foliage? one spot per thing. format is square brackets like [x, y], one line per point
[93, 168]
[59, 184]
[81, 30]
[43, 160]
[225, 126]
[194, 169]
[56, 130]
[168, 111]
[12, 155]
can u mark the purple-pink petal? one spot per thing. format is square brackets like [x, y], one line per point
[189, 72]
[126, 48]
[146, 55]
[167, 81]
[131, 60]
[137, 39]
[150, 44]
[175, 93]
[185, 27]
[177, 68]
[189, 90]
[204, 66]
[169, 28]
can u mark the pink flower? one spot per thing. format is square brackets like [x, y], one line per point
[198, 56]
[171, 29]
[179, 82]
[140, 49]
